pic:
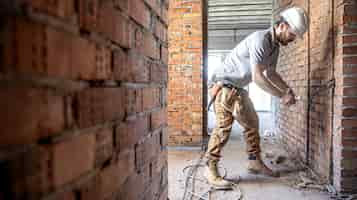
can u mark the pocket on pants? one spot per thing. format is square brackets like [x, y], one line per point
[237, 106]
[226, 102]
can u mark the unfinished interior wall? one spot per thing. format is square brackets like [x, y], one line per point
[83, 105]
[185, 85]
[345, 145]
[304, 64]
[318, 125]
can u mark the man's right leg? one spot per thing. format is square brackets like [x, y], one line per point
[218, 139]
[248, 119]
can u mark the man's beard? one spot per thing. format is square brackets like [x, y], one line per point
[284, 42]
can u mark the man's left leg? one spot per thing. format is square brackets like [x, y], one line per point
[217, 141]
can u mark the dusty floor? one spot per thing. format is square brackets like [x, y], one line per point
[253, 187]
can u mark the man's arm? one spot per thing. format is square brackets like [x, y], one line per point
[263, 82]
[276, 79]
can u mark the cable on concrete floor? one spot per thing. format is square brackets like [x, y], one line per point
[336, 196]
[191, 173]
[191, 178]
[305, 182]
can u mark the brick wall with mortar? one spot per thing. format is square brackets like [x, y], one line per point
[346, 96]
[83, 102]
[296, 76]
[185, 85]
[308, 65]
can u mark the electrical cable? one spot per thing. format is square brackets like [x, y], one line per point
[190, 174]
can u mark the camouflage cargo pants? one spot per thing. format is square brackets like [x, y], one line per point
[239, 107]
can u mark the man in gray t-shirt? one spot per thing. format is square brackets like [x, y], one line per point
[253, 59]
[260, 47]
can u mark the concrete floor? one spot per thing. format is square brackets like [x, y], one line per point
[253, 187]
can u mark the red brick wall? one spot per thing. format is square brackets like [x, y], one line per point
[83, 105]
[185, 87]
[326, 52]
[291, 122]
[346, 96]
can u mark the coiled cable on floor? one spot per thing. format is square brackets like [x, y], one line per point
[191, 173]
[190, 179]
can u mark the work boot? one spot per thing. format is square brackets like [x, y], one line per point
[257, 166]
[213, 177]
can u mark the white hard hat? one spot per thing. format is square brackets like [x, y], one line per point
[297, 20]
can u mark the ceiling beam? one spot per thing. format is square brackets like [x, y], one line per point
[247, 19]
[240, 8]
[238, 27]
[251, 13]
[235, 2]
[229, 21]
[240, 21]
[220, 33]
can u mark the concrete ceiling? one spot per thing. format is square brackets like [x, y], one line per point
[229, 21]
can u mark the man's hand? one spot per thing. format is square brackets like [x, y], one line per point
[215, 89]
[289, 98]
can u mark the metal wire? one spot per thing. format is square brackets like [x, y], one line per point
[191, 178]
[192, 173]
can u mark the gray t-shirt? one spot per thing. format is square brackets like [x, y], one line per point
[257, 48]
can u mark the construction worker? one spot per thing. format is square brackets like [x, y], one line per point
[253, 59]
